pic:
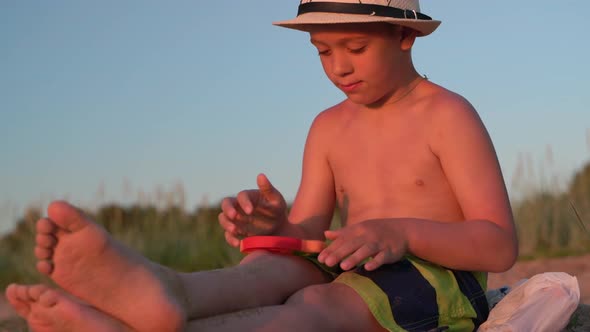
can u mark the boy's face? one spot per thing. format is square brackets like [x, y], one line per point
[363, 60]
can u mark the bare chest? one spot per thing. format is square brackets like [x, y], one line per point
[388, 170]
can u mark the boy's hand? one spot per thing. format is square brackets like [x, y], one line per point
[253, 212]
[380, 239]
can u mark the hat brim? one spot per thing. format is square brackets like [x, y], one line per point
[308, 21]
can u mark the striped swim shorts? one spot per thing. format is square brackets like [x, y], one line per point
[415, 295]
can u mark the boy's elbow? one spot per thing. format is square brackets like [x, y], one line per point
[503, 250]
[504, 258]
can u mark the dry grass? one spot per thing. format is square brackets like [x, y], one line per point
[550, 223]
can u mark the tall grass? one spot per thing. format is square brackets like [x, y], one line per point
[184, 241]
[550, 222]
[171, 236]
[554, 221]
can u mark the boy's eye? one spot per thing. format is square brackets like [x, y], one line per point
[324, 52]
[357, 50]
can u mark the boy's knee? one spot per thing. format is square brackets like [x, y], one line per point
[277, 276]
[324, 294]
[286, 265]
[337, 306]
[254, 256]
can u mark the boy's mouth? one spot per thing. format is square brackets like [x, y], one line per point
[349, 87]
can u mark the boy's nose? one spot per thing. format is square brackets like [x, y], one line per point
[341, 66]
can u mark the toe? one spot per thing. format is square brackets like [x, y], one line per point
[45, 267]
[66, 216]
[35, 291]
[11, 291]
[45, 226]
[21, 307]
[22, 293]
[48, 297]
[45, 240]
[43, 253]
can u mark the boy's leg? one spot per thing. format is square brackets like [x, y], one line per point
[409, 295]
[50, 310]
[326, 307]
[262, 279]
[82, 258]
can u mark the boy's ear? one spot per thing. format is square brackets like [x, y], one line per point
[408, 37]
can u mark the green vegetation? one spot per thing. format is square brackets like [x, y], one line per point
[553, 224]
[549, 224]
[170, 236]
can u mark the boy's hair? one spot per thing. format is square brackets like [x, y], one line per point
[405, 13]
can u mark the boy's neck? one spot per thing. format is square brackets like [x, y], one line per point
[406, 84]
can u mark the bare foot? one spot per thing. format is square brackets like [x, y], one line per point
[82, 258]
[49, 310]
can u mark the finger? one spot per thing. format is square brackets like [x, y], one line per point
[228, 207]
[232, 240]
[266, 188]
[377, 261]
[245, 202]
[237, 227]
[343, 250]
[331, 235]
[364, 252]
[328, 251]
[225, 223]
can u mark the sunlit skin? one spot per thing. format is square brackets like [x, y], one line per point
[411, 167]
[409, 164]
[49, 310]
[404, 170]
[369, 65]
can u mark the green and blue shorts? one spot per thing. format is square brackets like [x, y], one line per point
[415, 295]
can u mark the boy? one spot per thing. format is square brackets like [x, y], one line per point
[411, 168]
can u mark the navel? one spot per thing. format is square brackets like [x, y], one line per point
[419, 183]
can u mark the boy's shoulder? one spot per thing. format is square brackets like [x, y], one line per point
[333, 115]
[441, 99]
[445, 106]
[452, 120]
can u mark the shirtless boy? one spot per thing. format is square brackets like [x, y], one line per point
[409, 164]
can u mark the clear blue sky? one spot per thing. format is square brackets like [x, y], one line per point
[127, 96]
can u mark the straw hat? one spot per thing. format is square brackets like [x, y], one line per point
[401, 12]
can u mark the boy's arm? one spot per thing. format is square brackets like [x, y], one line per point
[486, 240]
[313, 207]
